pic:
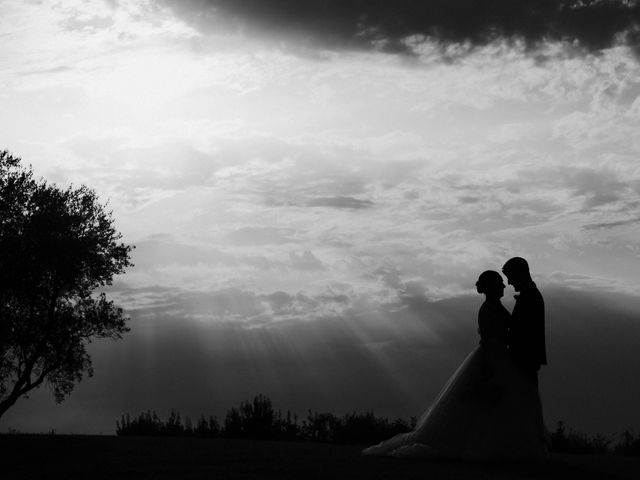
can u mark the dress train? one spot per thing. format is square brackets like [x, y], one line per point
[477, 416]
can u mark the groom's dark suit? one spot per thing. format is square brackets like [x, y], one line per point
[526, 332]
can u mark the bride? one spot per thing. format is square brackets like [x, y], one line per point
[487, 410]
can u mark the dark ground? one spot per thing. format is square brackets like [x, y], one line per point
[103, 457]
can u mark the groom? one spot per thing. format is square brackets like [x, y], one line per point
[526, 331]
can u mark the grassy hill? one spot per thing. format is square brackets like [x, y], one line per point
[107, 457]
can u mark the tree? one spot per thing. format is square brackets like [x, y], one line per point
[57, 246]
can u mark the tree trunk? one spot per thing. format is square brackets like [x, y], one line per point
[24, 380]
[7, 403]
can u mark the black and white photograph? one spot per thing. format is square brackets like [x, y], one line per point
[319, 239]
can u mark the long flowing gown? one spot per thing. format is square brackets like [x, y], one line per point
[486, 411]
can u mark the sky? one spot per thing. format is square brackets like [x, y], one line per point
[314, 187]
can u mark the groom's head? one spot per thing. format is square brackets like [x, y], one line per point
[517, 272]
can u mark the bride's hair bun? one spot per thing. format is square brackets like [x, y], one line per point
[486, 279]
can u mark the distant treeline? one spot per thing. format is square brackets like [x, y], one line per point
[257, 419]
[577, 442]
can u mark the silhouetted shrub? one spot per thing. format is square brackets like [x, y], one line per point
[173, 426]
[577, 442]
[149, 424]
[360, 428]
[207, 427]
[258, 419]
[629, 444]
[233, 424]
[319, 427]
[290, 430]
[559, 439]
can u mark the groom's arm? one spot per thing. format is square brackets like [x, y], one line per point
[541, 350]
[534, 331]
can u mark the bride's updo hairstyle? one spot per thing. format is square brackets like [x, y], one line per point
[487, 279]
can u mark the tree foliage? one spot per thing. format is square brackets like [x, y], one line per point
[56, 247]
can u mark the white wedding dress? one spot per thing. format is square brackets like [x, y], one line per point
[486, 411]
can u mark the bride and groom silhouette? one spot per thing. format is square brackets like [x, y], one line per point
[490, 408]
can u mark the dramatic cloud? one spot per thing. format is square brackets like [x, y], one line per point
[320, 184]
[389, 26]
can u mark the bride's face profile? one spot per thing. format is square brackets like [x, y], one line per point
[495, 290]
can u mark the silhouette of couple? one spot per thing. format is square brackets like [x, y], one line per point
[490, 408]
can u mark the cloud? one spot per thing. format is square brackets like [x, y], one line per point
[226, 305]
[162, 250]
[340, 202]
[305, 261]
[600, 187]
[47, 70]
[594, 186]
[282, 306]
[244, 307]
[614, 224]
[261, 236]
[592, 24]
[245, 152]
[88, 24]
[588, 283]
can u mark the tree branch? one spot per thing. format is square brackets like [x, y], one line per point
[41, 378]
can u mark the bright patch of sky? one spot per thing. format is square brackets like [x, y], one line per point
[279, 183]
